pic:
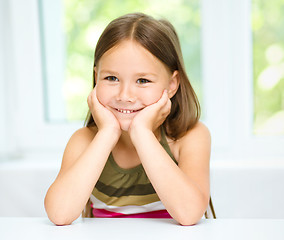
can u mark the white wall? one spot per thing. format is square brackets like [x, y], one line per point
[248, 189]
[243, 190]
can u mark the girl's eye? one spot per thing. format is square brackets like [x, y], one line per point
[111, 78]
[142, 81]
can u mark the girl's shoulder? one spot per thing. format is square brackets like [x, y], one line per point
[197, 138]
[80, 140]
[199, 130]
[86, 132]
[84, 135]
[77, 143]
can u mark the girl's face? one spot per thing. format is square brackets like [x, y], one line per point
[129, 78]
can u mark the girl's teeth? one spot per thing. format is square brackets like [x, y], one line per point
[125, 111]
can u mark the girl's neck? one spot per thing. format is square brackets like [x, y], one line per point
[125, 140]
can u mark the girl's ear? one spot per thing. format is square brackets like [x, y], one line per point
[174, 84]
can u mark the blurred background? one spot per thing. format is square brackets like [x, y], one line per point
[234, 56]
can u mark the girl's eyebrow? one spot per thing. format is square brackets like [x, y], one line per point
[109, 72]
[139, 74]
[142, 74]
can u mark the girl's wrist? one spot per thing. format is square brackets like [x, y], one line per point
[138, 135]
[112, 134]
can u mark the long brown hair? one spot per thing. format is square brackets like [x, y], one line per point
[159, 38]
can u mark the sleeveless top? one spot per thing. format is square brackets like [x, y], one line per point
[124, 193]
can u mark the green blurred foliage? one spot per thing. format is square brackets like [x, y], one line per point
[84, 21]
[268, 62]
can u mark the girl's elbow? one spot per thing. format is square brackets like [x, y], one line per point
[190, 216]
[58, 217]
[60, 221]
[188, 220]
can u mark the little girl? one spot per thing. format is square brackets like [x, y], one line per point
[143, 152]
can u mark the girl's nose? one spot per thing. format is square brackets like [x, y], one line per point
[126, 93]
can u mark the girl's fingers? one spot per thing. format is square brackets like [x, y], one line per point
[162, 101]
[154, 115]
[103, 117]
[165, 103]
[93, 101]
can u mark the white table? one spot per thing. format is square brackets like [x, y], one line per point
[137, 229]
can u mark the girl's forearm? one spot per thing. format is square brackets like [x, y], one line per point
[67, 196]
[180, 195]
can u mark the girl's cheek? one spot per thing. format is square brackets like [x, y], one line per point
[101, 94]
[152, 97]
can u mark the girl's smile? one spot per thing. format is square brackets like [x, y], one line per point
[127, 111]
[129, 78]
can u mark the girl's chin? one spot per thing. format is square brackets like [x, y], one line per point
[124, 126]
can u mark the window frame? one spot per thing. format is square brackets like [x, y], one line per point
[236, 140]
[228, 111]
[25, 90]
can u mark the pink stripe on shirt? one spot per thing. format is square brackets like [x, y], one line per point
[102, 213]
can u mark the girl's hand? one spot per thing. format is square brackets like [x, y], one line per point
[103, 117]
[152, 116]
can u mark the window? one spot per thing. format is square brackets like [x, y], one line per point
[233, 51]
[268, 59]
